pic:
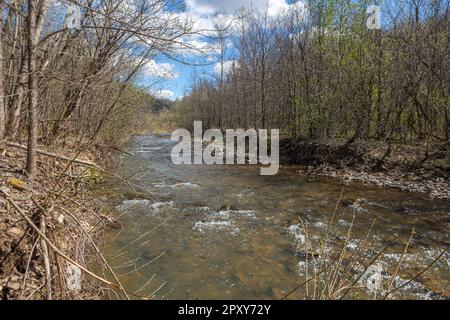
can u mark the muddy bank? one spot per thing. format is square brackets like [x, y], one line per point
[58, 203]
[415, 168]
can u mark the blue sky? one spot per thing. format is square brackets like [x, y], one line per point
[171, 79]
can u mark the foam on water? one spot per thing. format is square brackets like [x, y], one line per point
[144, 204]
[414, 288]
[177, 185]
[423, 257]
[230, 213]
[223, 220]
[222, 215]
[148, 149]
[395, 257]
[211, 225]
[319, 224]
[297, 232]
[202, 209]
[344, 223]
[358, 207]
[127, 204]
[354, 244]
[157, 206]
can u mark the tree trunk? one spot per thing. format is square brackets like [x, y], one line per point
[33, 90]
[18, 94]
[17, 99]
[2, 88]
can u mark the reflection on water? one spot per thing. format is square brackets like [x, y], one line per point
[225, 232]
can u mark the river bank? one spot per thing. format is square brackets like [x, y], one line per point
[57, 202]
[415, 168]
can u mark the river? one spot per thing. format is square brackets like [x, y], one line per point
[226, 232]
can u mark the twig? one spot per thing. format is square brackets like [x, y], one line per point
[44, 250]
[114, 148]
[154, 292]
[61, 282]
[444, 290]
[307, 281]
[28, 265]
[364, 271]
[401, 261]
[416, 276]
[98, 252]
[32, 225]
[54, 155]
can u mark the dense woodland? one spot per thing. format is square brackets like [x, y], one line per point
[59, 82]
[318, 73]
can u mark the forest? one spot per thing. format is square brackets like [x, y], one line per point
[317, 72]
[59, 82]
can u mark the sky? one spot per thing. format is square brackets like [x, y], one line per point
[170, 79]
[167, 78]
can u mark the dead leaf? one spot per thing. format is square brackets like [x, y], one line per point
[17, 184]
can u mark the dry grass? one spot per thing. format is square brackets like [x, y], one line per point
[341, 273]
[57, 225]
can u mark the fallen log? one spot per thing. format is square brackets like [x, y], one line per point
[54, 155]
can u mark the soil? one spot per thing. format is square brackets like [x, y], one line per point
[412, 168]
[58, 195]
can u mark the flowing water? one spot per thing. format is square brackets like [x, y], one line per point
[225, 232]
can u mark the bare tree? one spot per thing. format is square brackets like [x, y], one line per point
[321, 74]
[2, 88]
[32, 88]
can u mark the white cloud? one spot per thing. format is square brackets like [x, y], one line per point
[228, 66]
[199, 8]
[164, 94]
[165, 71]
[276, 6]
[195, 46]
[204, 14]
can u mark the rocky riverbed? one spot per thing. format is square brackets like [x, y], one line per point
[417, 168]
[420, 181]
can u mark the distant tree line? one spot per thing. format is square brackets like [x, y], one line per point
[160, 104]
